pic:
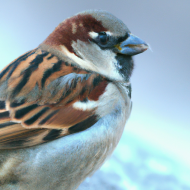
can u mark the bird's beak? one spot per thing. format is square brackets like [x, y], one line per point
[132, 46]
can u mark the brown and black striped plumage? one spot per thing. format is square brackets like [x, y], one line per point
[35, 107]
[54, 90]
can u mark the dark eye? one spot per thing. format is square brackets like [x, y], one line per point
[103, 37]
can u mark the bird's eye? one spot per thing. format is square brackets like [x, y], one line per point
[103, 37]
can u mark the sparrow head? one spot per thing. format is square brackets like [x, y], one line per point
[97, 41]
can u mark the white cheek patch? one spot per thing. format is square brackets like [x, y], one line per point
[94, 59]
[76, 60]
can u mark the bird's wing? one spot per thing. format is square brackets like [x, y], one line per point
[43, 98]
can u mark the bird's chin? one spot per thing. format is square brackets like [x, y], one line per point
[125, 65]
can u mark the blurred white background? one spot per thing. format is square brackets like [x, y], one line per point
[160, 82]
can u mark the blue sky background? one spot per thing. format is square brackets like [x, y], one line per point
[161, 79]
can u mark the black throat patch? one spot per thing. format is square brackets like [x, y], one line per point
[125, 65]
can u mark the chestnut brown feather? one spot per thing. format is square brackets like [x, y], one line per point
[64, 34]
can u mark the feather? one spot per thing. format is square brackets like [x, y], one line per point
[37, 103]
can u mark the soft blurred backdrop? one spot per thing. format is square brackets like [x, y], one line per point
[154, 151]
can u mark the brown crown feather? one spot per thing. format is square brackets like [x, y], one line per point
[73, 29]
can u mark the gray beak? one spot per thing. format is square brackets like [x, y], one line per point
[132, 46]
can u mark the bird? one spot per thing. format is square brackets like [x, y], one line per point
[64, 105]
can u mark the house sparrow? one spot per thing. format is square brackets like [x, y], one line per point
[64, 105]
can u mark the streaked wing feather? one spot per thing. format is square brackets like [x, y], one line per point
[37, 94]
[14, 135]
